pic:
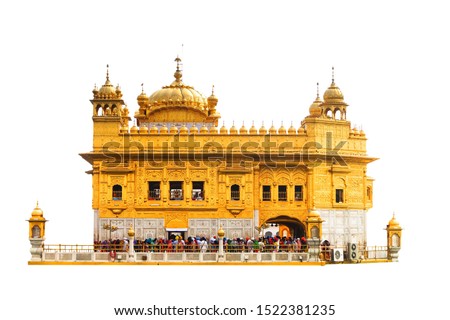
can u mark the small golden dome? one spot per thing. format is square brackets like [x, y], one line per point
[204, 129]
[272, 129]
[107, 90]
[253, 129]
[213, 130]
[282, 129]
[313, 214]
[131, 231]
[118, 92]
[393, 223]
[142, 99]
[292, 129]
[37, 212]
[221, 232]
[154, 129]
[193, 129]
[223, 129]
[301, 130]
[315, 110]
[123, 129]
[164, 129]
[134, 129]
[143, 129]
[212, 99]
[173, 130]
[263, 129]
[184, 129]
[233, 129]
[243, 129]
[333, 93]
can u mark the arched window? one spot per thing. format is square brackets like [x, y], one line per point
[369, 194]
[338, 114]
[235, 192]
[395, 240]
[117, 192]
[99, 110]
[36, 232]
[329, 114]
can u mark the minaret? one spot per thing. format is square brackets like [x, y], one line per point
[37, 233]
[334, 106]
[109, 111]
[213, 115]
[394, 238]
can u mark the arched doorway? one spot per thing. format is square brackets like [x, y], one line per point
[292, 226]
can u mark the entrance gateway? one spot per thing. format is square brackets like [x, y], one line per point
[288, 227]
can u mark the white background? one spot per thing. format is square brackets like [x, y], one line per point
[264, 58]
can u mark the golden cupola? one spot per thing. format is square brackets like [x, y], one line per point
[107, 101]
[334, 106]
[107, 91]
[142, 99]
[177, 102]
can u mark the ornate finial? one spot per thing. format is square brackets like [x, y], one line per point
[107, 72]
[37, 204]
[178, 73]
[212, 93]
[332, 74]
[318, 90]
[178, 61]
[142, 86]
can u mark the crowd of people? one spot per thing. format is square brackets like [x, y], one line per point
[204, 244]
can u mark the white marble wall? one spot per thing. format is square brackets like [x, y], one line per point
[144, 228]
[344, 226]
[154, 228]
[234, 228]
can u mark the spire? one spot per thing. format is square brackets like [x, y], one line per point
[142, 87]
[178, 73]
[332, 75]
[107, 72]
[318, 96]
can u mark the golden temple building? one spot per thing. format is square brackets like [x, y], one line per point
[177, 171]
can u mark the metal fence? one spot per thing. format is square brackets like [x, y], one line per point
[237, 252]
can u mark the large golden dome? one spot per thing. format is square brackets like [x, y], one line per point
[177, 102]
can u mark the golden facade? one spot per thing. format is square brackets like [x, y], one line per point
[176, 171]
